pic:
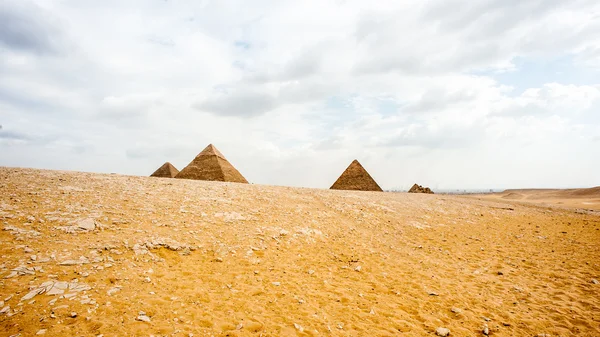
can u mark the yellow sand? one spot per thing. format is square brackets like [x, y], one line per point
[250, 260]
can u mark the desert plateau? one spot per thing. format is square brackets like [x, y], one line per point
[85, 254]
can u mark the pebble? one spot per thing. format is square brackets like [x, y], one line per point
[41, 332]
[358, 268]
[485, 330]
[442, 332]
[5, 310]
[594, 281]
[456, 310]
[298, 327]
[142, 317]
[73, 314]
[277, 284]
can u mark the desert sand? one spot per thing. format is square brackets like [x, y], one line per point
[87, 254]
[581, 198]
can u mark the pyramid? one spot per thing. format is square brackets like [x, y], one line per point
[165, 171]
[416, 188]
[355, 177]
[210, 164]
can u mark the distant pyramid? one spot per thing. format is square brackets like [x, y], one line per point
[356, 178]
[416, 188]
[210, 164]
[165, 171]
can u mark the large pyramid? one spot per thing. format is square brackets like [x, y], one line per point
[210, 164]
[356, 178]
[165, 171]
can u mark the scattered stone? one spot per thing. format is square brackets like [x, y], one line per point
[500, 272]
[456, 310]
[594, 281]
[113, 291]
[41, 332]
[20, 271]
[505, 323]
[358, 268]
[442, 332]
[485, 330]
[431, 293]
[142, 317]
[5, 310]
[277, 284]
[33, 257]
[73, 314]
[28, 250]
[299, 327]
[82, 260]
[88, 224]
[487, 319]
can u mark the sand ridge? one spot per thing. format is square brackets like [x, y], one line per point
[227, 259]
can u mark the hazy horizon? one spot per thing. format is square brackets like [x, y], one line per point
[446, 94]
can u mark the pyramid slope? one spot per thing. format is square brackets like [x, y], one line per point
[210, 164]
[167, 170]
[355, 177]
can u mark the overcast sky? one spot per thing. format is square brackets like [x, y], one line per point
[448, 94]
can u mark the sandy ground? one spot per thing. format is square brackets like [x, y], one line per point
[83, 254]
[583, 198]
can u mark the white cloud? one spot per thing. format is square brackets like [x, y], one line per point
[291, 92]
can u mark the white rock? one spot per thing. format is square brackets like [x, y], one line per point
[442, 332]
[299, 327]
[113, 291]
[143, 318]
[277, 284]
[358, 268]
[41, 332]
[594, 281]
[456, 310]
[485, 330]
[5, 310]
[87, 224]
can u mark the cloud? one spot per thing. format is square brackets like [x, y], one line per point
[292, 91]
[24, 26]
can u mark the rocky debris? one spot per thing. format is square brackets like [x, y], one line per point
[19, 232]
[5, 310]
[155, 243]
[83, 225]
[113, 291]
[442, 332]
[594, 281]
[485, 330]
[21, 270]
[73, 314]
[456, 310]
[416, 188]
[81, 260]
[41, 332]
[56, 288]
[299, 327]
[142, 317]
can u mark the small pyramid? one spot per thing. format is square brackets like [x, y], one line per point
[165, 171]
[210, 164]
[355, 177]
[416, 188]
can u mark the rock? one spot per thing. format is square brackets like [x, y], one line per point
[142, 317]
[487, 319]
[73, 314]
[500, 272]
[113, 291]
[442, 332]
[5, 310]
[299, 327]
[456, 310]
[41, 332]
[277, 284]
[82, 260]
[485, 330]
[87, 224]
[416, 188]
[358, 268]
[594, 281]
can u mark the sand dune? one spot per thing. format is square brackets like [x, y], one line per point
[88, 254]
[585, 198]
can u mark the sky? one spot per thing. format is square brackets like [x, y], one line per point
[445, 93]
